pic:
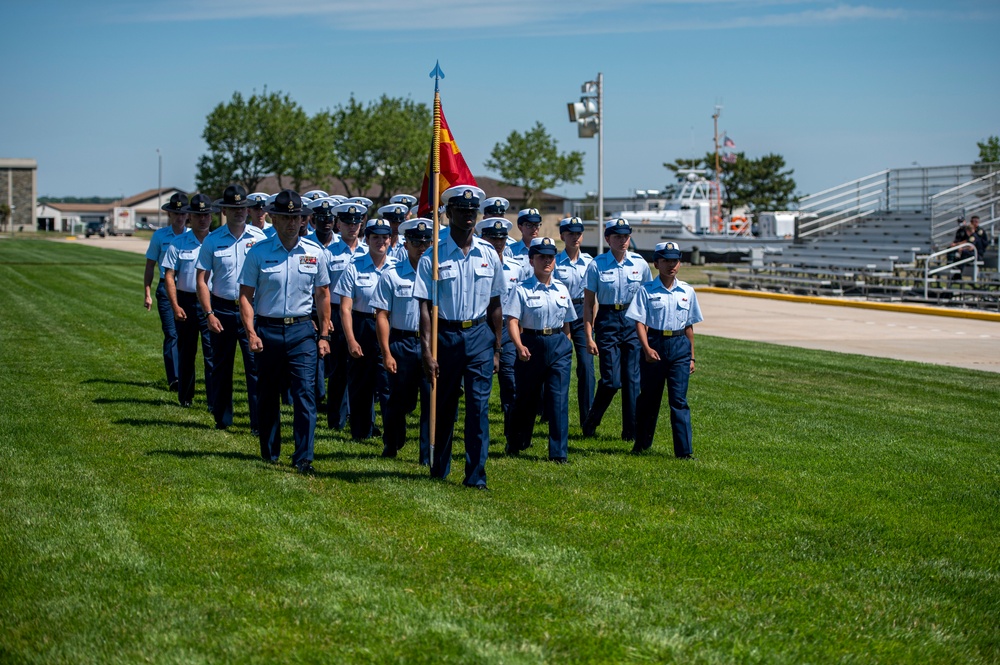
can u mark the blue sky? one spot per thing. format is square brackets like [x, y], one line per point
[841, 89]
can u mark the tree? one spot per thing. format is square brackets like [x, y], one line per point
[989, 150]
[5, 213]
[758, 184]
[532, 161]
[249, 139]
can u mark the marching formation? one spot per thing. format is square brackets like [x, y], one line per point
[328, 302]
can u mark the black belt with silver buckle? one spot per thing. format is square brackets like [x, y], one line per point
[403, 333]
[577, 301]
[224, 303]
[664, 333]
[460, 325]
[619, 307]
[282, 321]
[544, 332]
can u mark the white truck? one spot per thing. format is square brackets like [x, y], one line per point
[122, 222]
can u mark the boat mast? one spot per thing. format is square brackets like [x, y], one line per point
[717, 213]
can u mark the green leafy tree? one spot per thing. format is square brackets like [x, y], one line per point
[757, 184]
[989, 150]
[251, 138]
[532, 161]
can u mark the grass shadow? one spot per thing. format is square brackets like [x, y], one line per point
[186, 454]
[131, 400]
[151, 422]
[122, 382]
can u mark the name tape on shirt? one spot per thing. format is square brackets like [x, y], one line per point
[310, 260]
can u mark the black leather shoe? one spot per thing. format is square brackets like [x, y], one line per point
[306, 469]
[589, 428]
[687, 457]
[388, 451]
[559, 460]
[511, 450]
[482, 488]
[185, 405]
[221, 426]
[274, 461]
[255, 432]
[173, 386]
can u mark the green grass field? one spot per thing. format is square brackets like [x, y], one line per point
[840, 511]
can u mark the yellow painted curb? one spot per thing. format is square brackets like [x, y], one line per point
[861, 304]
[70, 238]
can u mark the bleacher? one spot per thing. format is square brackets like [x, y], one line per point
[848, 244]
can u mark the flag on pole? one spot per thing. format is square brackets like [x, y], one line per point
[729, 158]
[454, 171]
[728, 142]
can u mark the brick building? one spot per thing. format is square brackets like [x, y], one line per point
[19, 190]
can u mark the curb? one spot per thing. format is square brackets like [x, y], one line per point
[860, 304]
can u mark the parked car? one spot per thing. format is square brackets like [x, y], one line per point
[96, 228]
[144, 226]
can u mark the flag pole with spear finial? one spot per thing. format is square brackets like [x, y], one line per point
[435, 200]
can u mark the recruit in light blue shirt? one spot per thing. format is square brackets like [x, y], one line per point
[616, 283]
[466, 282]
[358, 282]
[334, 238]
[394, 294]
[539, 306]
[513, 273]
[182, 257]
[160, 243]
[660, 308]
[222, 254]
[518, 249]
[339, 256]
[571, 273]
[284, 280]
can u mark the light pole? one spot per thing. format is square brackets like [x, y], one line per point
[159, 189]
[588, 114]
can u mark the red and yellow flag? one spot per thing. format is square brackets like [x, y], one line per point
[454, 170]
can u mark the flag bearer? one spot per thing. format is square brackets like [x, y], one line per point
[365, 374]
[611, 282]
[469, 288]
[571, 267]
[665, 311]
[539, 319]
[220, 260]
[348, 218]
[180, 274]
[397, 324]
[158, 246]
[281, 279]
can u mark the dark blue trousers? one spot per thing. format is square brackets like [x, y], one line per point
[620, 352]
[549, 366]
[336, 390]
[289, 351]
[405, 385]
[170, 355]
[584, 364]
[508, 392]
[673, 368]
[465, 357]
[188, 332]
[224, 353]
[365, 377]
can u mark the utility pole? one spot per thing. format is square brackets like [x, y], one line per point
[159, 189]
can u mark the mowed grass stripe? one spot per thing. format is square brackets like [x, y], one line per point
[839, 511]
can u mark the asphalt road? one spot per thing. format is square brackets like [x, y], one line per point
[940, 340]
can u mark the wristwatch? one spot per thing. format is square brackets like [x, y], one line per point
[325, 338]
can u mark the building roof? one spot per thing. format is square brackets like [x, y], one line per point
[80, 207]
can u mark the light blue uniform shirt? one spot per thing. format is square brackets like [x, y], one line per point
[339, 256]
[663, 309]
[359, 281]
[513, 274]
[284, 280]
[334, 238]
[398, 251]
[538, 306]
[616, 283]
[270, 231]
[518, 249]
[181, 257]
[465, 282]
[394, 294]
[222, 254]
[160, 243]
[571, 273]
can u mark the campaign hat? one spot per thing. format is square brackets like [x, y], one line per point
[199, 204]
[287, 202]
[234, 196]
[177, 202]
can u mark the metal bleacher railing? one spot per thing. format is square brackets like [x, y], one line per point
[980, 196]
[898, 190]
